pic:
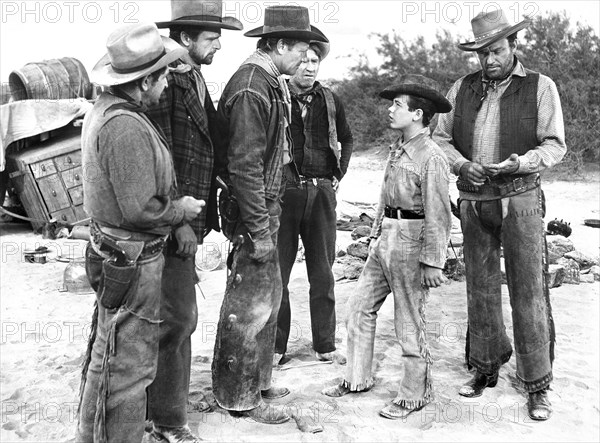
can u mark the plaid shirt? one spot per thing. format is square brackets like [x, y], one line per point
[187, 126]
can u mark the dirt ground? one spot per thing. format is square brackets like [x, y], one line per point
[44, 334]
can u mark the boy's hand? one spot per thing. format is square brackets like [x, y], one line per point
[431, 277]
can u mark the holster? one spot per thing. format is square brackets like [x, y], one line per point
[229, 210]
[115, 283]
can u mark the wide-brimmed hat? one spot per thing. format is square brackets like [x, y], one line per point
[419, 86]
[324, 47]
[200, 13]
[134, 51]
[288, 22]
[489, 27]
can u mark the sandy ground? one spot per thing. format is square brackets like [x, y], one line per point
[44, 334]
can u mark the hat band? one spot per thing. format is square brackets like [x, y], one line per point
[491, 34]
[201, 18]
[140, 68]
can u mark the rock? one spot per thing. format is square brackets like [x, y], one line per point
[456, 240]
[341, 253]
[586, 278]
[572, 275]
[359, 249]
[558, 246]
[595, 271]
[583, 260]
[361, 231]
[557, 275]
[353, 270]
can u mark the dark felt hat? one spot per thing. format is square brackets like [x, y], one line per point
[418, 86]
[288, 22]
[206, 14]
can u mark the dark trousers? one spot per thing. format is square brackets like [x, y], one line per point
[308, 211]
[242, 363]
[519, 228]
[168, 394]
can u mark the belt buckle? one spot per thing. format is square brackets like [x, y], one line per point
[518, 184]
[315, 182]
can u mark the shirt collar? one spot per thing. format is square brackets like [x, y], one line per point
[411, 145]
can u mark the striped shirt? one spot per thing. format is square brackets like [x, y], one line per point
[486, 139]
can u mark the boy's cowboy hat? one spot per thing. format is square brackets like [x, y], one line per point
[200, 13]
[288, 22]
[419, 86]
[134, 51]
[489, 27]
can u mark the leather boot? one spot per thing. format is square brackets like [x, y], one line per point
[538, 406]
[475, 386]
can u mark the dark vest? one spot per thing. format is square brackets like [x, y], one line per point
[518, 115]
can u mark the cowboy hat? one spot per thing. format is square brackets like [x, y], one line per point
[288, 22]
[134, 51]
[490, 27]
[200, 13]
[323, 47]
[419, 86]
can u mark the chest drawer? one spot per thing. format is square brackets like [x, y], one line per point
[72, 177]
[53, 192]
[76, 195]
[68, 161]
[43, 168]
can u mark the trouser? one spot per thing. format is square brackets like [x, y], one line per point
[168, 393]
[516, 224]
[123, 362]
[245, 342]
[392, 265]
[308, 211]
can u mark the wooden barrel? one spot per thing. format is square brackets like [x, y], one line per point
[62, 78]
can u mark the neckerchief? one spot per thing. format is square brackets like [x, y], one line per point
[305, 99]
[492, 84]
[187, 66]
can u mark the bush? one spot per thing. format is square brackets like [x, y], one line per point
[550, 46]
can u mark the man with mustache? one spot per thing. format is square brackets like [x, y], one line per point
[308, 208]
[186, 115]
[506, 127]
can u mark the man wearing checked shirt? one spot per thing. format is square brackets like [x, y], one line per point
[505, 128]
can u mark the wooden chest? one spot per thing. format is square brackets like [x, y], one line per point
[48, 178]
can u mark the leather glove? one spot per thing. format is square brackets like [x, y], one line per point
[264, 248]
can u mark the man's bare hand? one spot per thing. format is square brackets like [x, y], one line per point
[508, 166]
[335, 184]
[187, 243]
[473, 173]
[431, 277]
[191, 208]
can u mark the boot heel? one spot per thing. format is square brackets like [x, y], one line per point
[493, 381]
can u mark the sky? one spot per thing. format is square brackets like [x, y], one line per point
[33, 31]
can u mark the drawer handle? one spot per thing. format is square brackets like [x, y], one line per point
[43, 168]
[53, 193]
[64, 217]
[69, 161]
[77, 177]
